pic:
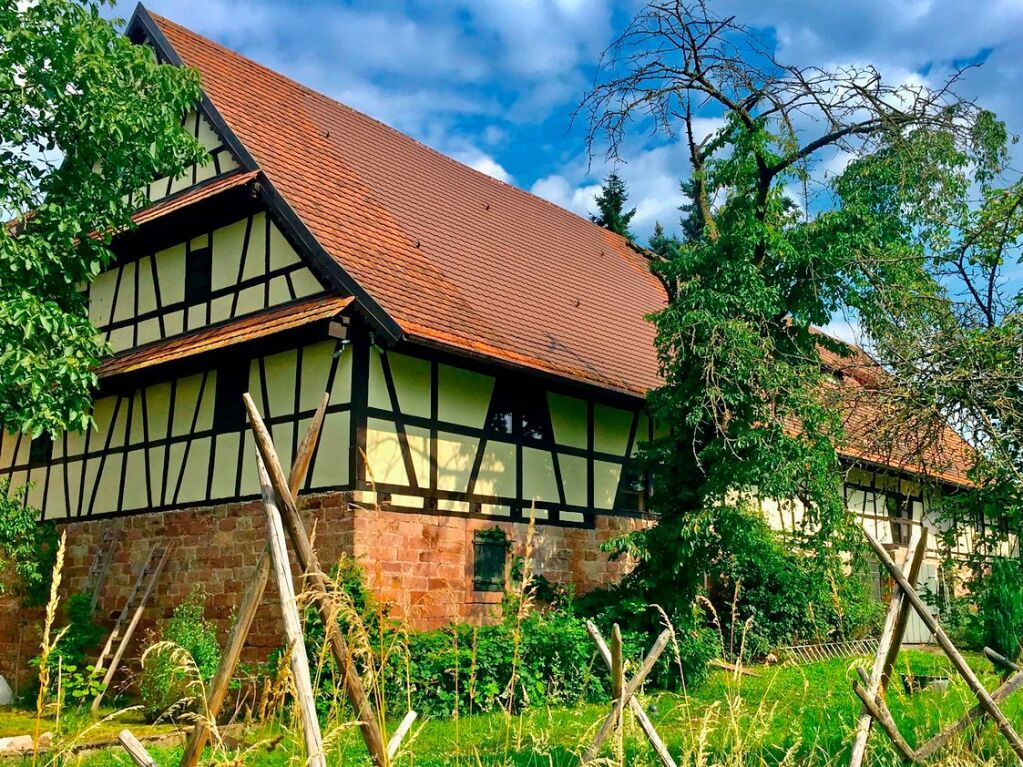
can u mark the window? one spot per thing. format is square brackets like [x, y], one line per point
[41, 451]
[884, 500]
[232, 383]
[490, 557]
[635, 490]
[198, 275]
[519, 410]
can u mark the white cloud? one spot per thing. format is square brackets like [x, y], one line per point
[651, 175]
[482, 162]
[571, 196]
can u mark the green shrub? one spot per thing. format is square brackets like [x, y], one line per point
[187, 649]
[27, 548]
[82, 636]
[78, 642]
[766, 590]
[469, 668]
[1001, 607]
[779, 593]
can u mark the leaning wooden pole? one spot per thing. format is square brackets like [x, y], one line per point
[889, 643]
[876, 706]
[135, 749]
[960, 664]
[251, 600]
[304, 699]
[368, 723]
[939, 741]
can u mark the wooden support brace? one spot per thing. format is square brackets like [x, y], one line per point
[888, 645]
[960, 664]
[617, 674]
[251, 600]
[879, 710]
[368, 722]
[1000, 660]
[939, 741]
[305, 701]
[634, 705]
[628, 693]
[399, 734]
[135, 750]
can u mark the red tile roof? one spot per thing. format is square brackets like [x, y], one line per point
[455, 257]
[209, 339]
[883, 428]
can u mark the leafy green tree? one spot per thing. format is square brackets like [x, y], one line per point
[86, 120]
[27, 549]
[661, 243]
[1001, 608]
[611, 207]
[951, 333]
[751, 412]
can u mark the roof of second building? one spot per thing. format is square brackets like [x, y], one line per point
[455, 257]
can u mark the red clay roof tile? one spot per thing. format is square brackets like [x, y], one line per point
[449, 253]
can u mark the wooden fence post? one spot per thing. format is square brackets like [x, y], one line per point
[637, 710]
[891, 640]
[960, 664]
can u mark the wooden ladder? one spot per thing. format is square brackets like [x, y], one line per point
[102, 561]
[131, 613]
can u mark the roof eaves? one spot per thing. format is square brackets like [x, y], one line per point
[426, 336]
[233, 332]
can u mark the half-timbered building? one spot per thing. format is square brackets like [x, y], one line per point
[485, 351]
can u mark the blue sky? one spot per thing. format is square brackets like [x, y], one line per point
[493, 83]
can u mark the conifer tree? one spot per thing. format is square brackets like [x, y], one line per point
[611, 207]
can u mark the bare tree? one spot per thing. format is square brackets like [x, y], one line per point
[678, 63]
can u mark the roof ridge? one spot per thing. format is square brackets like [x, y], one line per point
[405, 136]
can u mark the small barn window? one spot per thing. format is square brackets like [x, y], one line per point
[635, 489]
[229, 410]
[198, 275]
[519, 410]
[490, 558]
[40, 451]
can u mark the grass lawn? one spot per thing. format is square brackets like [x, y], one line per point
[799, 715]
